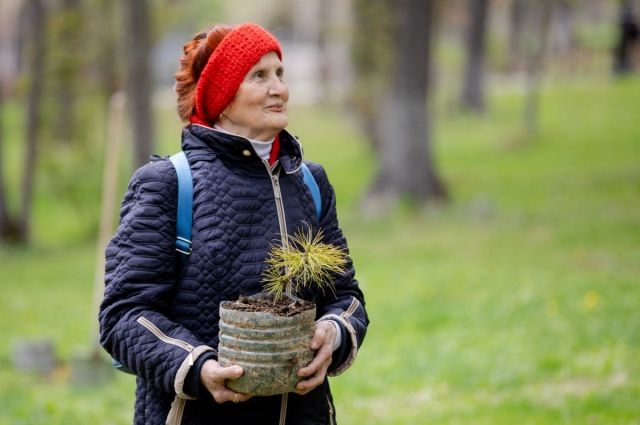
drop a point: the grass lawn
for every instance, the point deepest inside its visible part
(516, 303)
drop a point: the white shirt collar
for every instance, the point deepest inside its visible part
(262, 148)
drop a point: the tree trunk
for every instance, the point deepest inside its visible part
(139, 78)
(10, 33)
(517, 17)
(628, 35)
(538, 35)
(370, 50)
(65, 68)
(563, 42)
(4, 213)
(473, 97)
(407, 166)
(33, 120)
(106, 60)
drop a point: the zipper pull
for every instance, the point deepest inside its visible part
(276, 183)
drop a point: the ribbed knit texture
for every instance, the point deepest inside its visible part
(229, 63)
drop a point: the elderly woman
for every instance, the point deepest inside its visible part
(159, 317)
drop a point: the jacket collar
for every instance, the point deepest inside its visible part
(207, 143)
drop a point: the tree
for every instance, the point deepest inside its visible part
(371, 51)
(4, 213)
(407, 166)
(106, 58)
(628, 35)
(473, 97)
(66, 40)
(516, 25)
(536, 49)
(139, 82)
(17, 228)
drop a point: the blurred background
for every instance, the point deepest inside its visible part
(486, 160)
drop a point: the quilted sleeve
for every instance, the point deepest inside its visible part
(348, 306)
(141, 267)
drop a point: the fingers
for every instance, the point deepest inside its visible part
(240, 398)
(324, 331)
(225, 395)
(322, 341)
(316, 379)
(213, 376)
(221, 374)
(322, 356)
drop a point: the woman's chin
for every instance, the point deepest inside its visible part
(280, 122)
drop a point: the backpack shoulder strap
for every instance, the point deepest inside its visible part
(185, 199)
(183, 220)
(185, 203)
(311, 183)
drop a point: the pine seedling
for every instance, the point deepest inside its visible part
(304, 262)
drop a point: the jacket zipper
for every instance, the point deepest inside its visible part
(351, 309)
(275, 182)
(167, 339)
(282, 223)
(331, 422)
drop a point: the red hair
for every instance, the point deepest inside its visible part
(195, 57)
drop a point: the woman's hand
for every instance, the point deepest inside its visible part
(213, 377)
(323, 340)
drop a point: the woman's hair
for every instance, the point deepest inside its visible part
(195, 57)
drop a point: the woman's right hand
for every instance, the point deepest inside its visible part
(213, 377)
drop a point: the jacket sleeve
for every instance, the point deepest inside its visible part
(347, 307)
(140, 273)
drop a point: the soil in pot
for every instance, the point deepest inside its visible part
(270, 341)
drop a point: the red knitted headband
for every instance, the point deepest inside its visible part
(229, 63)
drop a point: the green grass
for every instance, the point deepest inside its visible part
(517, 302)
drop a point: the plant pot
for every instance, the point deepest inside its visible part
(270, 349)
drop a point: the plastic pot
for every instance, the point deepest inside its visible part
(271, 349)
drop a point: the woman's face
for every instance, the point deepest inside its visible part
(259, 109)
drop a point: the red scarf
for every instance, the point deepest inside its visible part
(275, 150)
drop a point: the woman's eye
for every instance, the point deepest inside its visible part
(259, 74)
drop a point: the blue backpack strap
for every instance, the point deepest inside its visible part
(185, 203)
(120, 367)
(313, 188)
(183, 220)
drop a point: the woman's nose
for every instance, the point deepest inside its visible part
(277, 87)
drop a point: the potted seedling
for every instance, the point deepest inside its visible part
(269, 334)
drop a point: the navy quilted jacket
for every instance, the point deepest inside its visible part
(160, 319)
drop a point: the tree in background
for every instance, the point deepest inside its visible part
(628, 37)
(371, 53)
(64, 43)
(395, 112)
(17, 228)
(371, 57)
(139, 82)
(516, 25)
(5, 223)
(473, 97)
(538, 20)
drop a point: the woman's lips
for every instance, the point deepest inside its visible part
(276, 108)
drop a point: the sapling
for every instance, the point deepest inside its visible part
(304, 261)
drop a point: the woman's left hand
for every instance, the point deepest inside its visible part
(323, 339)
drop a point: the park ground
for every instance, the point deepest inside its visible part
(518, 302)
